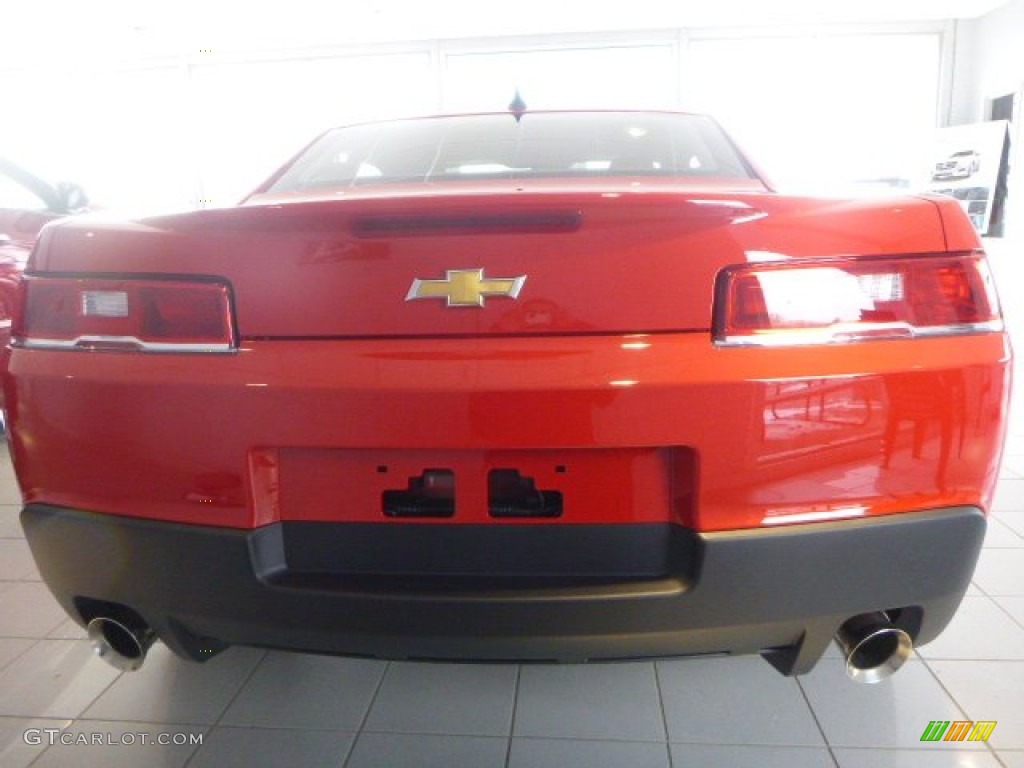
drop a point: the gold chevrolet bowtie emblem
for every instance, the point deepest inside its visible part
(465, 288)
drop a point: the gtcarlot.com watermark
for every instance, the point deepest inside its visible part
(53, 736)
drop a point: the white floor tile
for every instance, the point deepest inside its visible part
(68, 630)
(1000, 572)
(1014, 520)
(1011, 469)
(735, 756)
(292, 690)
(914, 758)
(980, 630)
(833, 651)
(230, 747)
(10, 496)
(1014, 606)
(589, 701)
(10, 528)
(1000, 536)
(392, 750)
(554, 753)
(22, 740)
(453, 699)
(12, 647)
(1009, 496)
(15, 560)
(27, 609)
(892, 713)
(171, 690)
(988, 690)
(565, 753)
(709, 701)
(54, 679)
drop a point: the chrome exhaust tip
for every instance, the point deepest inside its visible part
(874, 648)
(121, 646)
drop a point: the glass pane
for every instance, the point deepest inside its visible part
(565, 144)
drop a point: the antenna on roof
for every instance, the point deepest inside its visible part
(517, 106)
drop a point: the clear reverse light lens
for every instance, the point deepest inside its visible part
(853, 299)
(105, 303)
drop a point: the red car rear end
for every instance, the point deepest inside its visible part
(566, 387)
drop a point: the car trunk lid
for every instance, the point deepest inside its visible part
(490, 259)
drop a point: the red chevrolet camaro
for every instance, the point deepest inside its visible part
(541, 386)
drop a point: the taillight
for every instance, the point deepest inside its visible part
(144, 314)
(849, 299)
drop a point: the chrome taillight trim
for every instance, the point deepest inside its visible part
(858, 332)
(122, 343)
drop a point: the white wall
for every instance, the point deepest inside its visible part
(989, 64)
(997, 65)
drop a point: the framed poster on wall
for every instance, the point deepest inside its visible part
(966, 163)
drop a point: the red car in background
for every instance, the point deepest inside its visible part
(548, 386)
(27, 203)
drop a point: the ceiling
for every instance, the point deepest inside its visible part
(66, 32)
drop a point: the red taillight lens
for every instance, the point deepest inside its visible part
(850, 299)
(152, 315)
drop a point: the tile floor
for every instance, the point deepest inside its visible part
(256, 708)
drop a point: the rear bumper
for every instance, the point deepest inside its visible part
(510, 592)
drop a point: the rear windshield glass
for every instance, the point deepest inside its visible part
(497, 146)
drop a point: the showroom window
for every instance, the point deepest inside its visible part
(852, 107)
(122, 134)
(642, 76)
(814, 110)
(15, 196)
(262, 113)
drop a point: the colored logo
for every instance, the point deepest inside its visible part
(465, 288)
(958, 730)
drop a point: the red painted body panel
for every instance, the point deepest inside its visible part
(660, 427)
